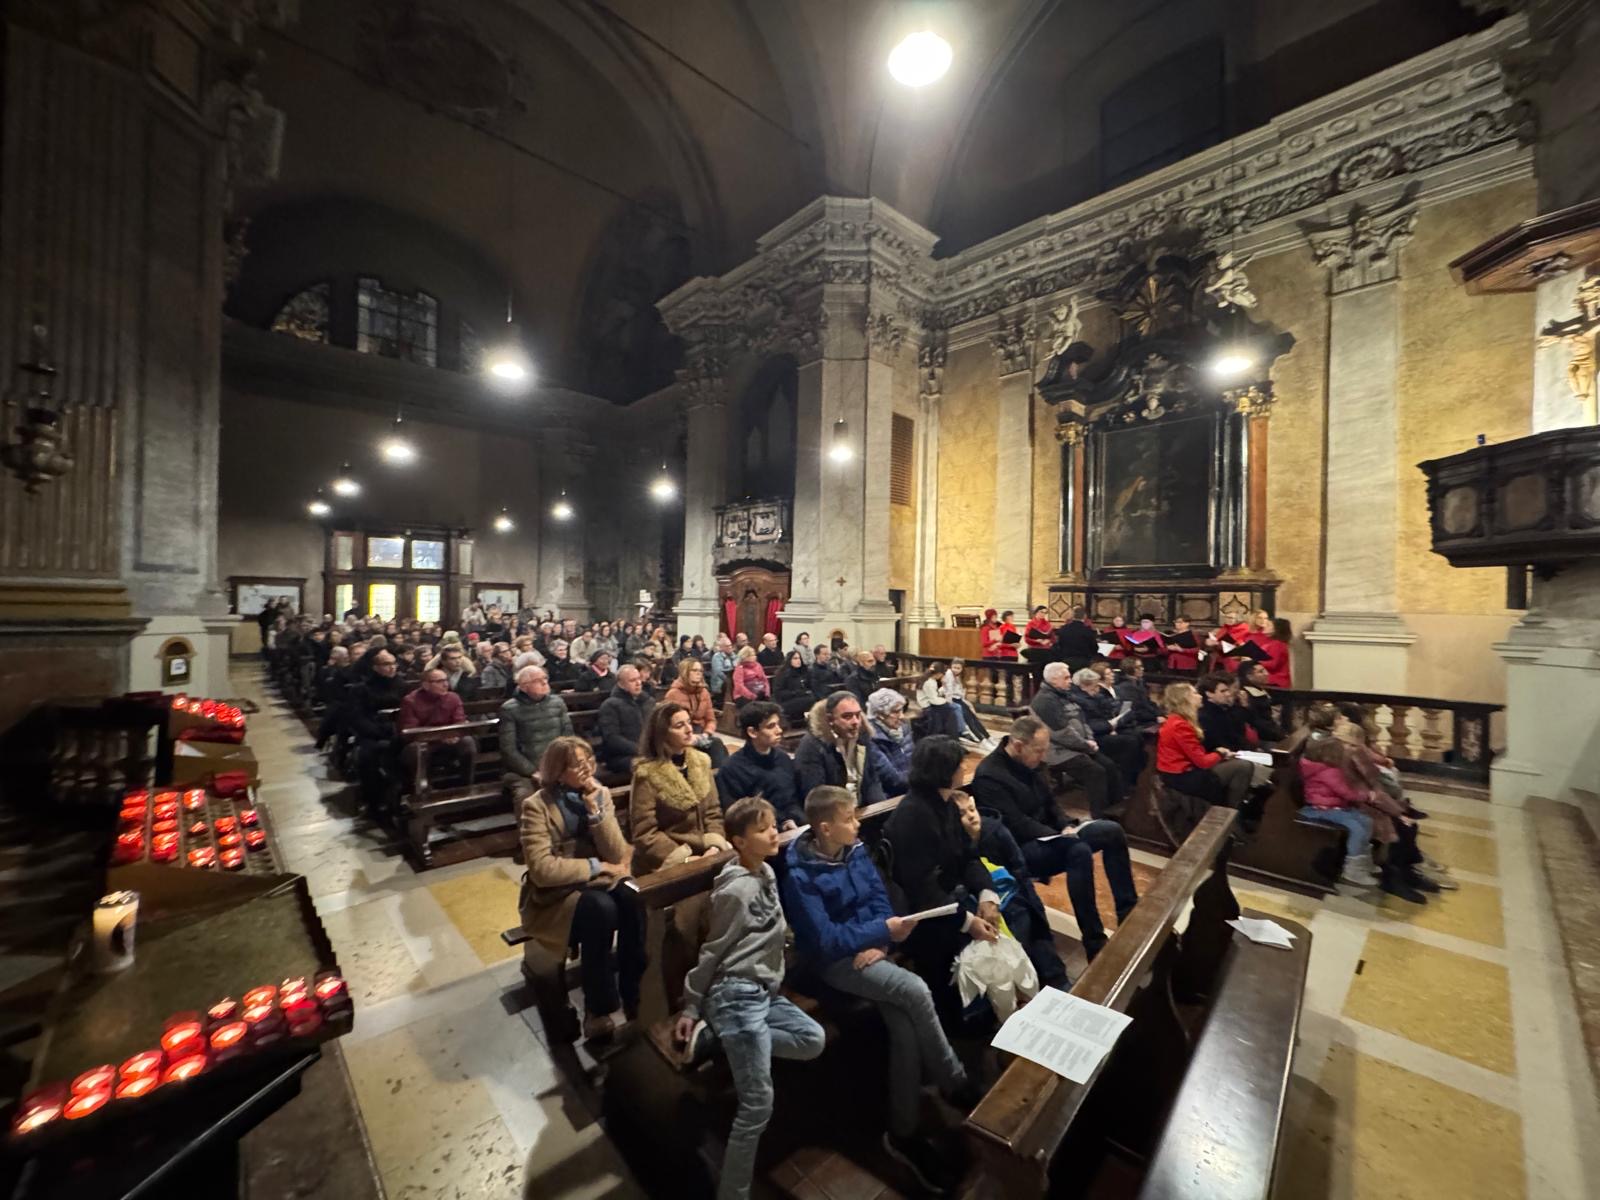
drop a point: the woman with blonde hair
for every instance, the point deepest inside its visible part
(749, 676)
(1184, 763)
(689, 690)
(574, 891)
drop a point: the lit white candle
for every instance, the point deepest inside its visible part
(114, 919)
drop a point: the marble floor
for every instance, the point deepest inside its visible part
(1441, 1053)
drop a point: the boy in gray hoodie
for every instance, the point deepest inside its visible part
(735, 984)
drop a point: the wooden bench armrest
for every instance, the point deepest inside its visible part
(441, 733)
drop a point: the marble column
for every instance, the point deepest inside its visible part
(923, 611)
(1012, 533)
(704, 489)
(1359, 642)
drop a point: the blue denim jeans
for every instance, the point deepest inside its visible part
(918, 1051)
(754, 1027)
(1074, 857)
(1357, 826)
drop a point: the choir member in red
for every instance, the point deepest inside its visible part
(1183, 647)
(989, 642)
(1218, 644)
(1039, 636)
(1272, 636)
(1117, 635)
(1010, 639)
(1146, 641)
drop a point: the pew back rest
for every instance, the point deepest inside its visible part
(1019, 1125)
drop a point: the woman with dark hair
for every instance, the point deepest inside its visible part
(791, 689)
(576, 891)
(935, 863)
(1272, 635)
(673, 805)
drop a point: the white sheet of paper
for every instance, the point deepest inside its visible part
(1255, 756)
(1264, 932)
(1055, 837)
(1106, 648)
(1228, 647)
(1062, 1033)
(944, 910)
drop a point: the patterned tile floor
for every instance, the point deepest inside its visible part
(1441, 1053)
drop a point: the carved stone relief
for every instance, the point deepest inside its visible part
(1364, 248)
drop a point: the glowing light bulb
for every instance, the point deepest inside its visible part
(1230, 363)
(561, 510)
(398, 451)
(920, 59)
(664, 489)
(508, 364)
(319, 508)
(344, 484)
(503, 523)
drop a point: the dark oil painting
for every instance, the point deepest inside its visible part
(1155, 499)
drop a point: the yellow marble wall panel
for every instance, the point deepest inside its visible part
(1046, 501)
(967, 423)
(1466, 367)
(1293, 295)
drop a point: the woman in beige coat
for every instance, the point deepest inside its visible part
(673, 806)
(579, 891)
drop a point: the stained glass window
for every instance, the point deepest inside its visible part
(381, 600)
(396, 324)
(428, 595)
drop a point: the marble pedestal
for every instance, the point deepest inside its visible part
(1360, 652)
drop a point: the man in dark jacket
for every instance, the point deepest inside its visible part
(529, 722)
(1077, 643)
(769, 655)
(1101, 710)
(1073, 749)
(834, 750)
(374, 728)
(761, 767)
(1131, 689)
(1257, 703)
(598, 675)
(622, 719)
(1008, 785)
(825, 676)
(1224, 722)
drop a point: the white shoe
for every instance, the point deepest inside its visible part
(1359, 872)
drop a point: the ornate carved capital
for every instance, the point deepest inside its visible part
(1013, 343)
(930, 370)
(1070, 433)
(701, 379)
(885, 334)
(1364, 248)
(1253, 401)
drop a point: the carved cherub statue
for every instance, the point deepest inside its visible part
(1226, 283)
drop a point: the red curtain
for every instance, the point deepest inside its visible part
(772, 625)
(730, 616)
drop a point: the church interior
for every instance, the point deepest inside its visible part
(800, 598)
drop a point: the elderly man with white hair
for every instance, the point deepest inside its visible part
(529, 721)
(1073, 749)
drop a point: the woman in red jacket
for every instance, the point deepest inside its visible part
(992, 636)
(1273, 635)
(1185, 765)
(989, 634)
(1039, 636)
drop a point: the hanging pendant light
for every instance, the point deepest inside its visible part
(318, 506)
(920, 59)
(397, 449)
(509, 368)
(503, 522)
(344, 484)
(663, 489)
(840, 451)
(561, 510)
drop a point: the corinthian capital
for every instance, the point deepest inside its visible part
(1013, 342)
(701, 379)
(930, 369)
(1365, 247)
(885, 333)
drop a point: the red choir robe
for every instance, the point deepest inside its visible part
(1183, 658)
(1234, 635)
(1039, 634)
(1144, 644)
(1277, 660)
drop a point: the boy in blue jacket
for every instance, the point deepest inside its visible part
(843, 924)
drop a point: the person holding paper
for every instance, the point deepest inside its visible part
(1143, 714)
(1103, 713)
(1189, 769)
(1252, 684)
(1117, 635)
(844, 926)
(933, 859)
(1039, 636)
(1183, 647)
(1009, 785)
(1145, 641)
(1271, 635)
(989, 635)
(1073, 749)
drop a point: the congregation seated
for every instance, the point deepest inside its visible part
(1009, 785)
(529, 721)
(562, 671)
(578, 889)
(673, 809)
(834, 749)
(1144, 715)
(621, 720)
(889, 740)
(1102, 714)
(749, 677)
(599, 676)
(882, 667)
(1250, 685)
(1195, 776)
(1073, 749)
(1225, 718)
(769, 655)
(370, 721)
(429, 705)
(970, 727)
(689, 691)
(719, 671)
(791, 687)
(802, 645)
(825, 675)
(459, 670)
(862, 676)
(762, 767)
(845, 927)
(497, 677)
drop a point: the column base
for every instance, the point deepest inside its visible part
(1552, 706)
(924, 616)
(1359, 652)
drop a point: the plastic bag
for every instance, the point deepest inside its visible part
(999, 970)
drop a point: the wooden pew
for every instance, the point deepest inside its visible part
(1190, 1101)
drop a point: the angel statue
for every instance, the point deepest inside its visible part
(1065, 326)
(1226, 284)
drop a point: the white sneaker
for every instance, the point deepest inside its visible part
(1359, 872)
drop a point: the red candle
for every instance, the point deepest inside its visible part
(194, 799)
(228, 1037)
(233, 860)
(146, 1063)
(88, 1102)
(132, 1089)
(204, 857)
(39, 1108)
(293, 984)
(164, 849)
(229, 841)
(166, 802)
(306, 1025)
(132, 815)
(198, 829)
(184, 1068)
(255, 839)
(94, 1079)
(165, 825)
(135, 796)
(132, 839)
(261, 1015)
(330, 986)
(181, 1035)
(265, 994)
(225, 824)
(299, 1008)
(249, 816)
